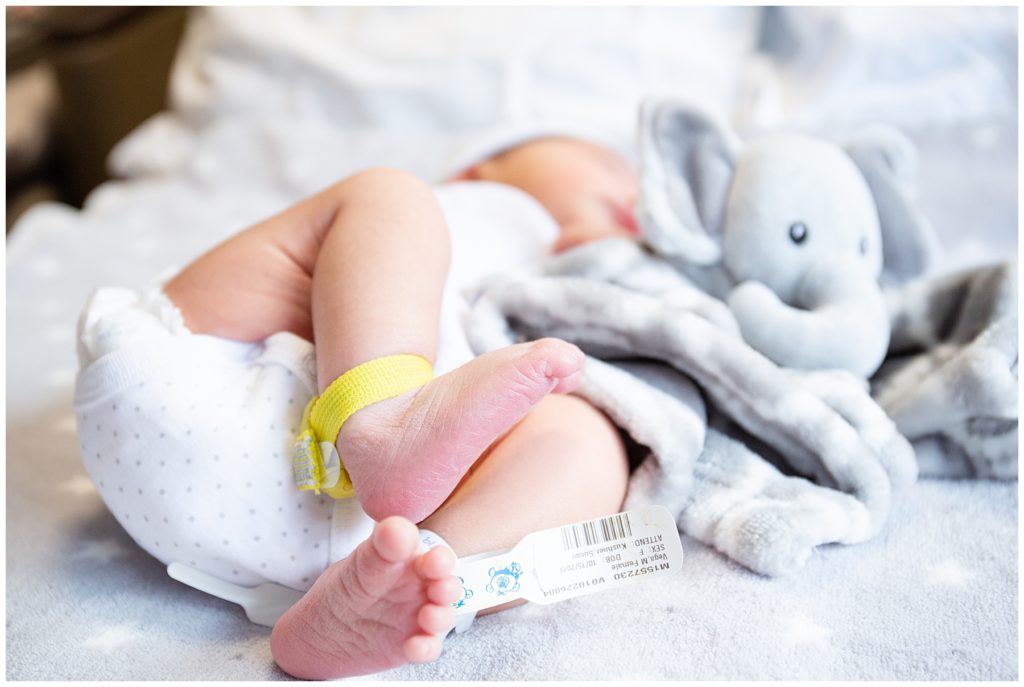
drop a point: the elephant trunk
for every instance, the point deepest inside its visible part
(838, 320)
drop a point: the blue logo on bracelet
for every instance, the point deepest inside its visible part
(504, 580)
(467, 594)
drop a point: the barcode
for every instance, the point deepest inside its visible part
(596, 531)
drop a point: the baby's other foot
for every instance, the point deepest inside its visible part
(406, 454)
(379, 608)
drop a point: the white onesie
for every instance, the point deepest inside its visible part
(188, 437)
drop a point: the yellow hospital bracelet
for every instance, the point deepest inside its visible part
(316, 464)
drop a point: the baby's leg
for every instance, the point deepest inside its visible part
(360, 268)
(362, 264)
(563, 463)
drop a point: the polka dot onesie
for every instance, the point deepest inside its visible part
(188, 440)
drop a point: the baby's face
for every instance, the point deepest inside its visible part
(589, 190)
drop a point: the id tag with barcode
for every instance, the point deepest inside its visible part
(565, 562)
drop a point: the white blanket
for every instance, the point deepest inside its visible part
(270, 105)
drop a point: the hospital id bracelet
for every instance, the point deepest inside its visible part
(565, 562)
(316, 464)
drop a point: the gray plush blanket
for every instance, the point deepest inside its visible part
(722, 475)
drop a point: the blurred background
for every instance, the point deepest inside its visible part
(78, 80)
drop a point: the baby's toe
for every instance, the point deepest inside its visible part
(422, 648)
(447, 590)
(433, 619)
(395, 539)
(435, 564)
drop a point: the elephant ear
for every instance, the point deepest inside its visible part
(888, 161)
(687, 159)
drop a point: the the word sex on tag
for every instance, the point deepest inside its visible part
(565, 562)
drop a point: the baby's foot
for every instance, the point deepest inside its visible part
(406, 454)
(381, 607)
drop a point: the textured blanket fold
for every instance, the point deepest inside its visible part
(666, 364)
(950, 383)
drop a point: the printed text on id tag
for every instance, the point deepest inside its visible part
(565, 562)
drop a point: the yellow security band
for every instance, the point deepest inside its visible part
(316, 464)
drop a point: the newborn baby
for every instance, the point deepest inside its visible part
(219, 440)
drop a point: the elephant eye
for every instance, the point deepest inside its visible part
(798, 232)
(863, 246)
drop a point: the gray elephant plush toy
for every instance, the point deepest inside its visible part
(797, 234)
(733, 345)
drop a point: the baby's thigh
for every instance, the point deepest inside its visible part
(573, 444)
(253, 285)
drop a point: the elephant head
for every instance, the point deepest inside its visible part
(801, 231)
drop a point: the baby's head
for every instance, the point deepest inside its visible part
(590, 190)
